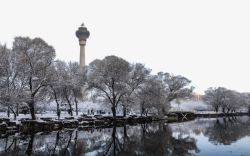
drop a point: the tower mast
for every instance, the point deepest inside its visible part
(82, 34)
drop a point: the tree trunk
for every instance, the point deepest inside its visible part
(114, 141)
(57, 140)
(142, 109)
(15, 145)
(12, 110)
(30, 145)
(70, 107)
(58, 111)
(216, 109)
(75, 144)
(8, 112)
(143, 130)
(76, 102)
(70, 136)
(124, 111)
(114, 113)
(223, 110)
(32, 108)
(17, 110)
(6, 143)
(163, 111)
(76, 135)
(70, 110)
(125, 136)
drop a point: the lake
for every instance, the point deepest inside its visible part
(201, 137)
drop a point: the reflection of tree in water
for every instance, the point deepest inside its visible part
(148, 140)
(10, 145)
(161, 142)
(112, 146)
(228, 130)
(141, 140)
(60, 143)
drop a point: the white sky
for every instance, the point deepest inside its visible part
(206, 41)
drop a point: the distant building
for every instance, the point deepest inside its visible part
(197, 97)
(82, 34)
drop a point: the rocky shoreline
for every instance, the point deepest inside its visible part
(221, 115)
(50, 124)
(97, 121)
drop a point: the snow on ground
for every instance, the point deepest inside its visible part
(49, 111)
(190, 105)
(88, 106)
(82, 106)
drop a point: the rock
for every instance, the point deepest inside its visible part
(69, 118)
(12, 128)
(36, 125)
(46, 119)
(11, 123)
(99, 122)
(3, 127)
(70, 123)
(98, 117)
(84, 123)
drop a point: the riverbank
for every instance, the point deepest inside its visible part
(96, 121)
(148, 139)
(217, 115)
(50, 124)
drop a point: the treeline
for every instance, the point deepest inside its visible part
(30, 75)
(226, 100)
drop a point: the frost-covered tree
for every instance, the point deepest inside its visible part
(245, 99)
(116, 81)
(232, 101)
(215, 97)
(78, 82)
(6, 77)
(108, 78)
(11, 81)
(68, 85)
(34, 58)
(137, 77)
(176, 87)
(224, 99)
(152, 95)
(55, 85)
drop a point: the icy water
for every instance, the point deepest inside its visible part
(204, 137)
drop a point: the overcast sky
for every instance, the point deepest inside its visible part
(206, 41)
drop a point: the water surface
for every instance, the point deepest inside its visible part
(204, 137)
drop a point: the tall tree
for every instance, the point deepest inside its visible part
(68, 85)
(138, 76)
(108, 79)
(224, 99)
(11, 83)
(215, 97)
(176, 87)
(55, 85)
(245, 99)
(232, 101)
(78, 81)
(152, 95)
(34, 57)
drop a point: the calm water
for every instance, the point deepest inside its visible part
(205, 137)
